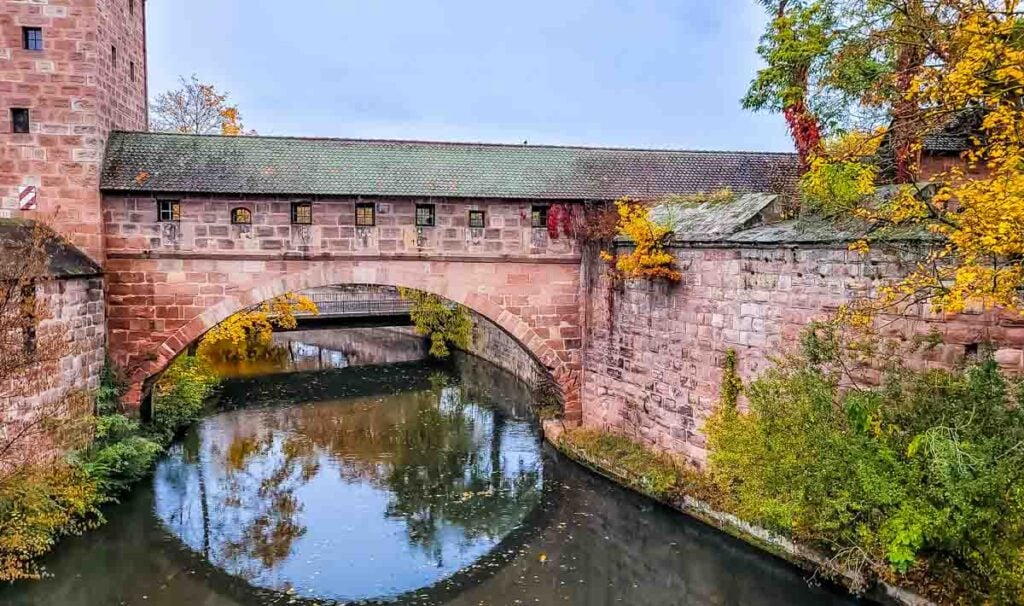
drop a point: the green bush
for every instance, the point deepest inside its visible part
(117, 466)
(180, 396)
(918, 479)
(41, 505)
(445, 323)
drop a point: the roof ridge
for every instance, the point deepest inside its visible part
(426, 142)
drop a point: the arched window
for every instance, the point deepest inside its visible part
(241, 216)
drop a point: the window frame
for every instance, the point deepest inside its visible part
(27, 39)
(173, 214)
(370, 206)
(432, 210)
(236, 214)
(539, 216)
(478, 213)
(296, 206)
(16, 122)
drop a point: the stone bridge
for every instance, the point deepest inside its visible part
(199, 228)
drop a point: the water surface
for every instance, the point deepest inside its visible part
(404, 483)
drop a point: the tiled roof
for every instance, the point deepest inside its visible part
(157, 162)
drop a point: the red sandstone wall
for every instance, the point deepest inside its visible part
(131, 226)
(652, 367)
(75, 97)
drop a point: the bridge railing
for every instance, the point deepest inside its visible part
(340, 304)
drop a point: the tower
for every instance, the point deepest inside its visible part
(71, 71)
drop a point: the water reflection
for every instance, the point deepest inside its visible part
(303, 350)
(355, 497)
(418, 484)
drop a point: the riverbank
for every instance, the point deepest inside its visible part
(666, 483)
(43, 503)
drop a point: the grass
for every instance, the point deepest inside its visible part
(652, 473)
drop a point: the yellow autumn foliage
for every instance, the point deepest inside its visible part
(977, 213)
(252, 329)
(649, 258)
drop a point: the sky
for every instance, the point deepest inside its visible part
(638, 73)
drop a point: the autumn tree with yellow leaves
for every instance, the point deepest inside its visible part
(878, 76)
(249, 332)
(648, 258)
(196, 108)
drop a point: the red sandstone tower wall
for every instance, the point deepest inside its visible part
(88, 79)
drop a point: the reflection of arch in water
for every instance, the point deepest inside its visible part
(533, 520)
(503, 552)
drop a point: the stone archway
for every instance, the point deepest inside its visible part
(534, 303)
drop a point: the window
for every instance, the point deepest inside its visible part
(302, 213)
(241, 216)
(424, 215)
(366, 214)
(131, 8)
(20, 122)
(131, 71)
(28, 310)
(32, 38)
(539, 217)
(476, 218)
(113, 56)
(168, 210)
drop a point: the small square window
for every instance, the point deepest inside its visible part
(476, 218)
(539, 216)
(366, 214)
(424, 215)
(20, 122)
(241, 216)
(32, 38)
(168, 210)
(302, 213)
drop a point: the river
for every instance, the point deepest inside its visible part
(350, 470)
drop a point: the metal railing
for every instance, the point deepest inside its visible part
(340, 304)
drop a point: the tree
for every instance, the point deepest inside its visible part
(38, 419)
(196, 108)
(889, 73)
(444, 322)
(246, 334)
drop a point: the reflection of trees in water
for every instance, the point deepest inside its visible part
(438, 457)
(250, 516)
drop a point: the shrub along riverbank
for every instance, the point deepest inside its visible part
(918, 482)
(40, 505)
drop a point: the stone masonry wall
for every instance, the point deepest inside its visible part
(653, 365)
(496, 346)
(76, 317)
(205, 227)
(76, 94)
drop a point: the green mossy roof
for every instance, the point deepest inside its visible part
(157, 162)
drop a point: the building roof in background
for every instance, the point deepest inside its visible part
(64, 260)
(157, 162)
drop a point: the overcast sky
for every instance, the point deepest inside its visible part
(637, 73)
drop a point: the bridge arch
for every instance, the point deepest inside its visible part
(528, 301)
